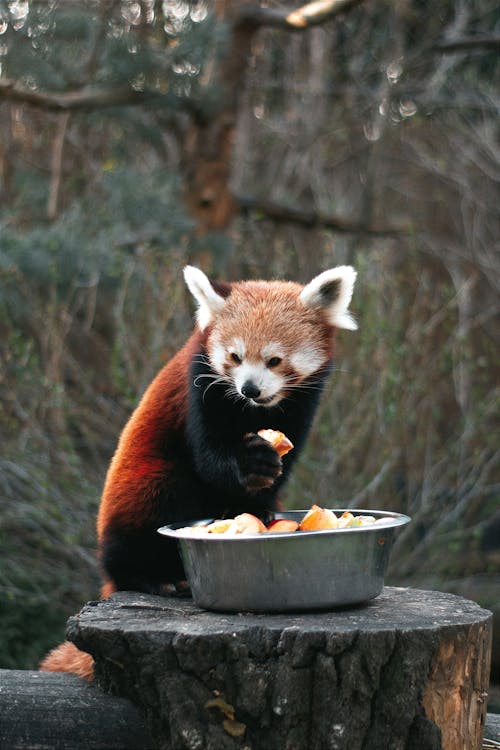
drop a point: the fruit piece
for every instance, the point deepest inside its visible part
(280, 525)
(220, 526)
(193, 530)
(317, 519)
(345, 519)
(246, 523)
(361, 521)
(278, 440)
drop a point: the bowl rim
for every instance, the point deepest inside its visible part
(393, 520)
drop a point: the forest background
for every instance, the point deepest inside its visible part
(255, 142)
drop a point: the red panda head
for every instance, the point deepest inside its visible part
(267, 337)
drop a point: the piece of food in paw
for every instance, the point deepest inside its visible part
(259, 463)
(246, 523)
(318, 519)
(278, 440)
(281, 525)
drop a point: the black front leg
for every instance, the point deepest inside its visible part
(140, 559)
(239, 467)
(226, 452)
(259, 464)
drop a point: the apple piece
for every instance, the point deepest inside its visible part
(280, 525)
(345, 519)
(193, 530)
(278, 440)
(220, 526)
(361, 521)
(246, 523)
(317, 519)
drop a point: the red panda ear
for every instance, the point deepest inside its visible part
(208, 299)
(332, 292)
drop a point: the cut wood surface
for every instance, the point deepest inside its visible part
(409, 670)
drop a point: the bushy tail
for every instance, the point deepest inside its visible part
(68, 658)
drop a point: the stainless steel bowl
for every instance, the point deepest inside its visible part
(288, 571)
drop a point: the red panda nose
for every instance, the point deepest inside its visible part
(250, 390)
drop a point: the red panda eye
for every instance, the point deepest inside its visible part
(274, 361)
(236, 358)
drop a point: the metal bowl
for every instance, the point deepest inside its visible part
(285, 572)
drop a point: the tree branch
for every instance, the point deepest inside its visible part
(466, 43)
(313, 219)
(248, 17)
(310, 14)
(93, 98)
(57, 165)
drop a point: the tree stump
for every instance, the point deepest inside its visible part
(407, 671)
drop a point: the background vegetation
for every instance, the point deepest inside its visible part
(138, 136)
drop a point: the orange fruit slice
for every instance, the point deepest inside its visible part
(278, 440)
(317, 519)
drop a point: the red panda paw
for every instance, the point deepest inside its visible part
(179, 588)
(259, 463)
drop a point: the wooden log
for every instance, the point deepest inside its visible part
(49, 711)
(492, 728)
(24, 694)
(407, 671)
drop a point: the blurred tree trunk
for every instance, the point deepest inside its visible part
(209, 145)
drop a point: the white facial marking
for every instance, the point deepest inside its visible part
(268, 382)
(272, 350)
(238, 347)
(218, 356)
(306, 360)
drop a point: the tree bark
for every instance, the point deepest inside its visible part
(408, 671)
(56, 166)
(49, 711)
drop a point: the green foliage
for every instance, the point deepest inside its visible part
(46, 534)
(29, 630)
(58, 45)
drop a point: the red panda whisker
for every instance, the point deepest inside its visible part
(216, 379)
(303, 386)
(235, 395)
(209, 375)
(201, 359)
(311, 385)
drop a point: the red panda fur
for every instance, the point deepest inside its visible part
(130, 483)
(191, 450)
(128, 486)
(68, 658)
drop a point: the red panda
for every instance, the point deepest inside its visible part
(258, 358)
